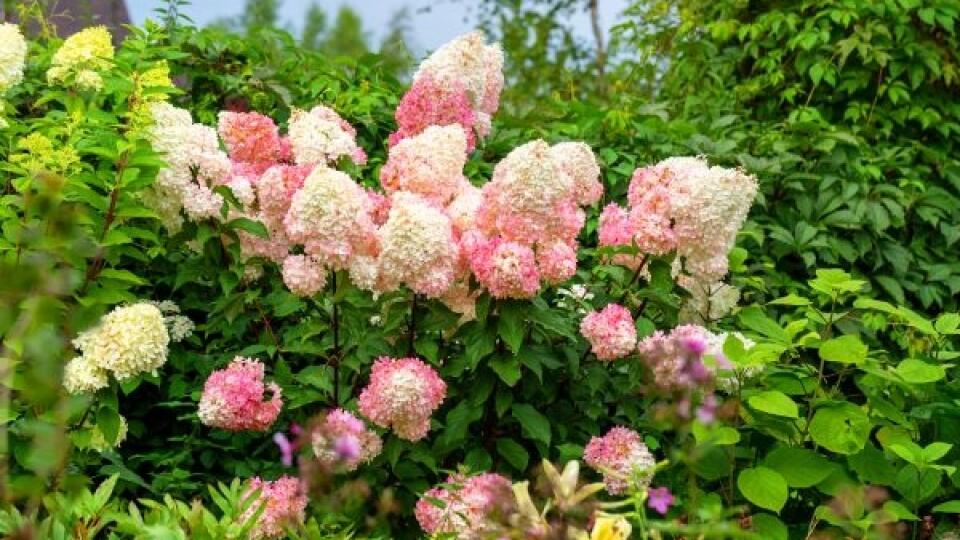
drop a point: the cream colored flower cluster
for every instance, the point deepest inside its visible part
(429, 164)
(13, 52)
(195, 165)
(128, 341)
(80, 58)
(320, 135)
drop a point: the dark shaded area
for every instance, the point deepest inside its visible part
(70, 16)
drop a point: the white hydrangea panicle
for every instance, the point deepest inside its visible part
(429, 164)
(82, 376)
(417, 247)
(128, 341)
(321, 136)
(13, 53)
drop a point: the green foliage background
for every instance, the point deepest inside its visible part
(846, 111)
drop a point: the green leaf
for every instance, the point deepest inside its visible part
(508, 369)
(801, 468)
(754, 319)
(763, 487)
(917, 371)
(774, 402)
(842, 428)
(790, 300)
(108, 422)
(478, 459)
(769, 527)
(510, 325)
(844, 349)
(253, 227)
(515, 454)
(535, 425)
(949, 507)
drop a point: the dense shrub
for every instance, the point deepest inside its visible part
(162, 307)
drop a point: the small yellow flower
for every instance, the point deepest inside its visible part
(611, 528)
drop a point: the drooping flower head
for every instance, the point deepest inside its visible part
(622, 458)
(611, 332)
(320, 136)
(13, 52)
(341, 439)
(234, 398)
(402, 394)
(81, 56)
(284, 503)
(417, 247)
(465, 505)
(128, 341)
(429, 164)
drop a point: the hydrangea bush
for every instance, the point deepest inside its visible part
(357, 309)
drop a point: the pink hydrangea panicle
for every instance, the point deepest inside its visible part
(467, 505)
(330, 216)
(430, 103)
(622, 458)
(429, 164)
(402, 395)
(234, 398)
(506, 269)
(284, 503)
(557, 262)
(673, 357)
(611, 332)
(303, 275)
(251, 138)
(341, 440)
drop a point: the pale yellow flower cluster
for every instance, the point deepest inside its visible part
(126, 342)
(80, 58)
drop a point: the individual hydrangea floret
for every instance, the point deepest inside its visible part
(402, 395)
(622, 458)
(341, 440)
(234, 398)
(465, 506)
(128, 341)
(284, 503)
(81, 57)
(611, 332)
